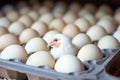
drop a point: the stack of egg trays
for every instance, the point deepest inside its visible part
(95, 70)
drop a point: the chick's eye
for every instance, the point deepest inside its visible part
(55, 39)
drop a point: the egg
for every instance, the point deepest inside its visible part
(108, 42)
(90, 52)
(100, 14)
(108, 25)
(28, 34)
(26, 20)
(40, 27)
(96, 32)
(3, 31)
(16, 28)
(116, 34)
(46, 18)
(8, 39)
(49, 35)
(81, 39)
(69, 17)
(118, 28)
(8, 7)
(117, 16)
(34, 15)
(57, 24)
(13, 52)
(13, 15)
(71, 64)
(41, 58)
(36, 44)
(82, 24)
(4, 22)
(48, 3)
(71, 30)
(83, 12)
(43, 10)
(23, 10)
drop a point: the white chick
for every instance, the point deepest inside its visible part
(62, 45)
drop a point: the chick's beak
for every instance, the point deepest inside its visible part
(53, 44)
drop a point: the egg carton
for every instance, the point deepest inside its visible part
(94, 69)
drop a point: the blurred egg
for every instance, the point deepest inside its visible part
(75, 6)
(100, 14)
(34, 15)
(26, 20)
(83, 12)
(71, 30)
(3, 30)
(40, 27)
(108, 42)
(81, 39)
(57, 24)
(16, 28)
(89, 52)
(27, 34)
(43, 10)
(36, 44)
(96, 32)
(116, 34)
(46, 18)
(24, 10)
(49, 35)
(4, 22)
(13, 52)
(8, 7)
(71, 64)
(41, 58)
(117, 16)
(8, 39)
(82, 24)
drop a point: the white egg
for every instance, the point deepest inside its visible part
(34, 15)
(81, 39)
(90, 52)
(96, 32)
(41, 58)
(116, 34)
(13, 52)
(68, 64)
(36, 44)
(108, 42)
(4, 22)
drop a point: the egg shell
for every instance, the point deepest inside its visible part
(43, 10)
(3, 31)
(96, 32)
(40, 27)
(116, 34)
(117, 17)
(100, 14)
(4, 22)
(13, 52)
(108, 42)
(71, 64)
(8, 39)
(57, 24)
(41, 58)
(24, 10)
(82, 24)
(27, 34)
(75, 6)
(34, 15)
(71, 30)
(36, 44)
(49, 35)
(90, 52)
(16, 28)
(82, 12)
(81, 39)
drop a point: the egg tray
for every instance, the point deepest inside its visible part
(94, 69)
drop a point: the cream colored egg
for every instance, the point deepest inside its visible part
(81, 39)
(116, 34)
(90, 52)
(75, 6)
(100, 14)
(26, 20)
(57, 24)
(8, 39)
(4, 22)
(24, 10)
(12, 15)
(13, 52)
(82, 24)
(108, 42)
(36, 44)
(16, 28)
(69, 17)
(34, 15)
(3, 31)
(49, 35)
(83, 12)
(96, 32)
(108, 25)
(43, 10)
(41, 58)
(68, 64)
(40, 27)
(71, 30)
(27, 34)
(46, 18)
